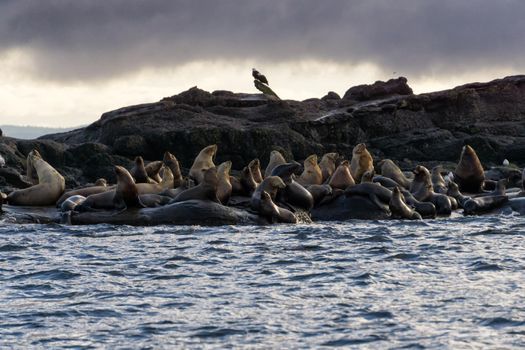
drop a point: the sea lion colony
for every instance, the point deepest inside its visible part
(330, 189)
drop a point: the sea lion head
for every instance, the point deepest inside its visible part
(276, 182)
(101, 182)
(332, 156)
(310, 161)
(368, 176)
(285, 171)
(139, 161)
(123, 175)
(210, 150)
(223, 170)
(167, 176)
(359, 148)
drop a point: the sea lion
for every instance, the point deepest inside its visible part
(205, 190)
(293, 194)
(247, 182)
(342, 177)
(139, 172)
(84, 192)
(153, 169)
(438, 182)
(385, 181)
(368, 176)
(453, 191)
(50, 185)
(276, 158)
(224, 187)
(30, 169)
(426, 209)
(391, 170)
(481, 205)
(327, 165)
(273, 212)
(399, 208)
(255, 168)
(499, 190)
(271, 186)
(172, 163)
(155, 188)
(124, 195)
(312, 174)
(71, 202)
(101, 182)
(174, 192)
(469, 174)
(421, 188)
(203, 162)
(319, 192)
(378, 194)
(361, 162)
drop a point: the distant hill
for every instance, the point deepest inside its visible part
(30, 132)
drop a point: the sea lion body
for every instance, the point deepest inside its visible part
(399, 208)
(319, 192)
(361, 162)
(342, 177)
(481, 205)
(255, 168)
(50, 187)
(469, 174)
(224, 187)
(202, 163)
(385, 182)
(139, 172)
(294, 193)
(426, 209)
(153, 169)
(151, 200)
(247, 181)
(438, 182)
(391, 170)
(156, 188)
(273, 212)
(377, 194)
(312, 174)
(271, 186)
(205, 190)
(170, 161)
(276, 158)
(328, 165)
(84, 192)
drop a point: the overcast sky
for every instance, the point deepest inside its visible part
(63, 63)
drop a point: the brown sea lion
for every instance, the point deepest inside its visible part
(151, 200)
(438, 182)
(368, 176)
(30, 169)
(499, 190)
(454, 192)
(378, 194)
(421, 188)
(101, 182)
(224, 187)
(399, 208)
(237, 188)
(342, 177)
(426, 209)
(205, 190)
(276, 158)
(391, 170)
(270, 185)
(361, 162)
(327, 165)
(171, 162)
(247, 181)
(312, 174)
(469, 174)
(481, 205)
(139, 172)
(203, 162)
(155, 188)
(50, 185)
(294, 195)
(125, 195)
(153, 169)
(255, 167)
(273, 212)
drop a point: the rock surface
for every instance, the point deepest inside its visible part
(393, 122)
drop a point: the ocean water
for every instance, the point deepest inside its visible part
(446, 283)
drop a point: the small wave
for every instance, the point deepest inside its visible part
(372, 315)
(54, 274)
(213, 332)
(309, 276)
(403, 256)
(501, 322)
(355, 341)
(12, 248)
(484, 266)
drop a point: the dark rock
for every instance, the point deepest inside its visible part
(379, 89)
(331, 95)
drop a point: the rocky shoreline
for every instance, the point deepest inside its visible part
(394, 123)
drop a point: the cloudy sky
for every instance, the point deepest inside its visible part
(64, 62)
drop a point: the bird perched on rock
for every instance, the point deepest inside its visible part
(506, 162)
(2, 161)
(258, 76)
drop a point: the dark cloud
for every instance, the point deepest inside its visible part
(82, 39)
